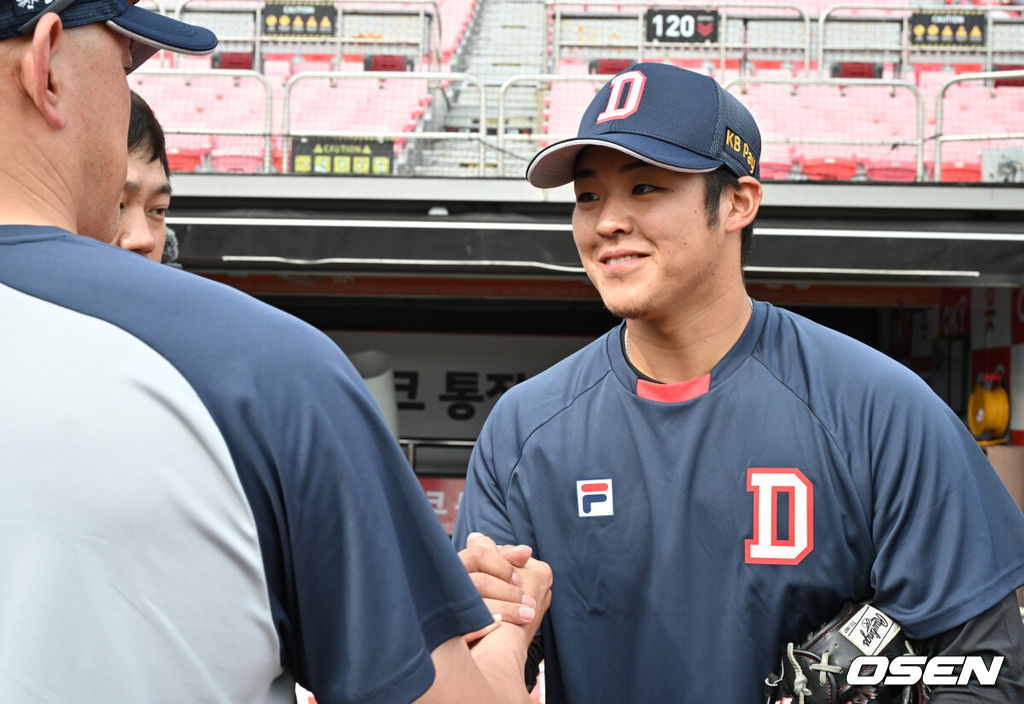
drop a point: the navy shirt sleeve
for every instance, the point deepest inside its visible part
(364, 582)
(483, 508)
(949, 540)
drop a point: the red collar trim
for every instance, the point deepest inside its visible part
(673, 393)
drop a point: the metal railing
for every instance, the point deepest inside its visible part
(140, 76)
(439, 81)
(918, 141)
(427, 44)
(906, 48)
(724, 48)
(942, 138)
(506, 139)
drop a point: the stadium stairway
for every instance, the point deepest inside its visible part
(505, 38)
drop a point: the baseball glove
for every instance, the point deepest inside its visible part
(815, 671)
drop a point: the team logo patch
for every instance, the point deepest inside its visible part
(23, 7)
(594, 497)
(870, 630)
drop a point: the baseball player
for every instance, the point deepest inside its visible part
(715, 477)
(201, 501)
(142, 226)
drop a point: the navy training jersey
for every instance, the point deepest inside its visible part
(200, 498)
(693, 529)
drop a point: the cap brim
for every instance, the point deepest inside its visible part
(553, 166)
(152, 31)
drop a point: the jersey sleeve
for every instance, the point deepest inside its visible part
(484, 507)
(949, 539)
(369, 583)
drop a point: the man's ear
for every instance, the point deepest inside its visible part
(37, 71)
(743, 203)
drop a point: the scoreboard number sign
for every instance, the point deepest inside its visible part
(682, 26)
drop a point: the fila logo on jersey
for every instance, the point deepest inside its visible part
(632, 82)
(594, 497)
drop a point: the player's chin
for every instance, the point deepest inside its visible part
(629, 309)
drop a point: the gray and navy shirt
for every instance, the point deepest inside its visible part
(693, 529)
(199, 499)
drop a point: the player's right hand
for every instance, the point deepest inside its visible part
(510, 581)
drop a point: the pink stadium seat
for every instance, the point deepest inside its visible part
(776, 162)
(278, 65)
(314, 62)
(232, 162)
(571, 66)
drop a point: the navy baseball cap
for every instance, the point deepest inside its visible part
(664, 115)
(149, 31)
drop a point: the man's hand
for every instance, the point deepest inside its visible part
(515, 587)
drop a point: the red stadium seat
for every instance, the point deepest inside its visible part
(856, 69)
(890, 170)
(1005, 82)
(387, 62)
(609, 66)
(829, 168)
(184, 158)
(233, 60)
(953, 171)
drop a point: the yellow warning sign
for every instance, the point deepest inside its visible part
(342, 156)
(312, 18)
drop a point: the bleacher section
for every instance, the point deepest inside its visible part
(836, 89)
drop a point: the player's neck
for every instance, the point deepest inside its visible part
(690, 344)
(27, 200)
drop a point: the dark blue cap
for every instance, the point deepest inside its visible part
(664, 115)
(149, 31)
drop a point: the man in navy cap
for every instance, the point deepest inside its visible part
(714, 477)
(200, 500)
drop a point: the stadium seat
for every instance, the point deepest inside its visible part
(829, 168)
(278, 64)
(233, 60)
(856, 69)
(184, 158)
(314, 62)
(387, 62)
(609, 66)
(776, 162)
(961, 171)
(1008, 82)
(890, 170)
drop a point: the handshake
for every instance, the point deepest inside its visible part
(515, 586)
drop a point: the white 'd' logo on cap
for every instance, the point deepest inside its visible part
(633, 82)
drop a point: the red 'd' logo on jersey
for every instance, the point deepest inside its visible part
(768, 546)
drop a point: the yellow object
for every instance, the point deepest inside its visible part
(988, 414)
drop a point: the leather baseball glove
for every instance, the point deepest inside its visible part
(815, 671)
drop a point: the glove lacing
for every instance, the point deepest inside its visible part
(800, 679)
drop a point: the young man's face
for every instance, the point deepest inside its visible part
(144, 202)
(643, 237)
